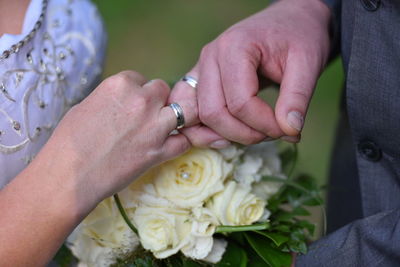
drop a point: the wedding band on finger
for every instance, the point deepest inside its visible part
(180, 118)
(191, 81)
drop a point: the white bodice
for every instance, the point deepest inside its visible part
(51, 72)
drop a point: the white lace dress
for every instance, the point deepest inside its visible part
(50, 66)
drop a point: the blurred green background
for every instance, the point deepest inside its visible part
(163, 38)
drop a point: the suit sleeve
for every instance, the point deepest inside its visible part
(371, 241)
(335, 25)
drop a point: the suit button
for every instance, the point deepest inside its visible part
(369, 150)
(371, 5)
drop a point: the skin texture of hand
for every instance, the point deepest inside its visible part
(287, 43)
(100, 146)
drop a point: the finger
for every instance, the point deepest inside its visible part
(185, 95)
(212, 106)
(168, 120)
(158, 90)
(297, 87)
(241, 85)
(202, 136)
(174, 146)
(199, 135)
(132, 76)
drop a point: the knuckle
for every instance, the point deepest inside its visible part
(141, 102)
(302, 96)
(206, 50)
(131, 75)
(160, 85)
(210, 115)
(121, 79)
(230, 38)
(236, 107)
(126, 78)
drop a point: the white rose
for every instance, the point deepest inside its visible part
(162, 230)
(102, 237)
(260, 160)
(231, 153)
(201, 241)
(217, 251)
(247, 172)
(235, 205)
(192, 178)
(270, 156)
(266, 189)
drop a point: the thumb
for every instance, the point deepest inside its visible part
(297, 86)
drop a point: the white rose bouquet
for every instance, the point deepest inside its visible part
(230, 207)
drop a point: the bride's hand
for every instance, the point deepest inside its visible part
(99, 147)
(115, 134)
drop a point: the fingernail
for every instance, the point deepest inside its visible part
(295, 120)
(220, 144)
(290, 139)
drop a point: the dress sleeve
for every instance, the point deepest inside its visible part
(372, 241)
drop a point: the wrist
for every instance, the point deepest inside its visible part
(38, 198)
(58, 176)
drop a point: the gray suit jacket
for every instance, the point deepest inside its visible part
(364, 196)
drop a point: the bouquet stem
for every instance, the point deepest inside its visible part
(241, 228)
(123, 214)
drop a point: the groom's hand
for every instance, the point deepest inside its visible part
(287, 43)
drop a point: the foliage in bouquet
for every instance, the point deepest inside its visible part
(232, 207)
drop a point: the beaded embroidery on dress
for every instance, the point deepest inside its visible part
(52, 65)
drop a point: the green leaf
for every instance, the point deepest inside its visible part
(313, 201)
(307, 182)
(297, 234)
(300, 211)
(282, 228)
(278, 239)
(298, 247)
(143, 262)
(188, 263)
(64, 257)
(173, 261)
(255, 260)
(234, 256)
(283, 216)
(237, 238)
(140, 258)
(307, 225)
(272, 256)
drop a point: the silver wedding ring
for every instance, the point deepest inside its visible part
(190, 80)
(180, 119)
